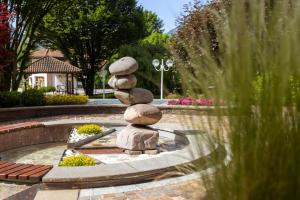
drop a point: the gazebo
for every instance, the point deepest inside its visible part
(49, 71)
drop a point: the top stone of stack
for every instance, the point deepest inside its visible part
(124, 66)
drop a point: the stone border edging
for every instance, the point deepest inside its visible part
(128, 172)
(19, 113)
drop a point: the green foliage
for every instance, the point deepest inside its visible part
(10, 99)
(254, 38)
(100, 96)
(90, 129)
(66, 100)
(152, 22)
(47, 89)
(90, 32)
(33, 97)
(293, 94)
(77, 160)
(258, 86)
(27, 16)
(155, 46)
(173, 96)
(158, 39)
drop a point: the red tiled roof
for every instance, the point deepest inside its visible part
(50, 65)
(47, 52)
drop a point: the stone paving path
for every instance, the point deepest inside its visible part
(44, 154)
(180, 188)
(8, 189)
(189, 190)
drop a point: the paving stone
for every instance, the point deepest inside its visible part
(57, 194)
(151, 152)
(130, 152)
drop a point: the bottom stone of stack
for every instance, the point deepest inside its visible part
(137, 138)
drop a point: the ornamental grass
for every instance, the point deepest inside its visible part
(241, 42)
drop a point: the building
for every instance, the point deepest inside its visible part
(50, 68)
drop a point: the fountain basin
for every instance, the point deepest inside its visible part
(116, 171)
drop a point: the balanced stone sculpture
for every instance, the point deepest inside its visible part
(137, 137)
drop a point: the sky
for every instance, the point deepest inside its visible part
(167, 10)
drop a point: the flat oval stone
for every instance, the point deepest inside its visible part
(123, 82)
(134, 96)
(142, 114)
(124, 66)
(137, 138)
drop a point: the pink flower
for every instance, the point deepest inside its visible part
(197, 102)
(186, 101)
(173, 102)
(204, 102)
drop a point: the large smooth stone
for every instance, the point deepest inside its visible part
(134, 96)
(124, 66)
(123, 82)
(137, 138)
(142, 114)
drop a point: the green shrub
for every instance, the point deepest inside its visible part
(77, 160)
(100, 96)
(66, 100)
(9, 99)
(90, 129)
(173, 96)
(33, 97)
(48, 89)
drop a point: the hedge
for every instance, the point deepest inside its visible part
(33, 97)
(10, 99)
(66, 100)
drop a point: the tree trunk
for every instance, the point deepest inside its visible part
(89, 83)
(16, 82)
(5, 80)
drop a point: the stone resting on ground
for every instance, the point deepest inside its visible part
(137, 137)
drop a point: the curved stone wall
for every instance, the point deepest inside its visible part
(32, 136)
(10, 114)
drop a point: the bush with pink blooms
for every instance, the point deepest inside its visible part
(194, 102)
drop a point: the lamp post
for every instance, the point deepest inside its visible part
(103, 74)
(84, 79)
(162, 66)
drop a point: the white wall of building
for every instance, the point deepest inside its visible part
(38, 80)
(56, 80)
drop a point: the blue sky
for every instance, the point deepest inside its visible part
(167, 10)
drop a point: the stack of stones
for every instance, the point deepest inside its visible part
(137, 137)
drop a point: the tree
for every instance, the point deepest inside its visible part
(152, 22)
(5, 32)
(154, 46)
(157, 38)
(28, 14)
(90, 32)
(197, 25)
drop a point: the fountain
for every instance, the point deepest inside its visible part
(137, 137)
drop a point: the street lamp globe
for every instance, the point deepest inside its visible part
(155, 63)
(169, 63)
